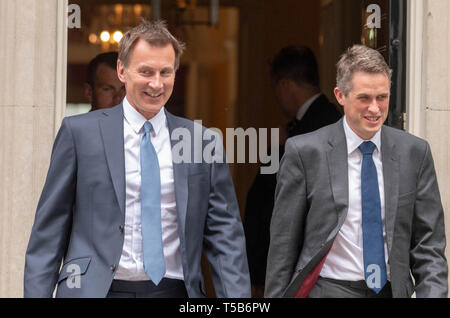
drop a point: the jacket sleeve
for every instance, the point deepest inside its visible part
(428, 262)
(50, 232)
(224, 240)
(286, 228)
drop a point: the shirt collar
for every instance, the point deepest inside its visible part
(137, 121)
(304, 108)
(354, 141)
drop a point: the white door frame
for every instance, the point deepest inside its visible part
(61, 63)
(415, 119)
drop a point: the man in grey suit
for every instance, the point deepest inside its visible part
(357, 210)
(124, 215)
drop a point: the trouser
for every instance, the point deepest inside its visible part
(333, 288)
(167, 288)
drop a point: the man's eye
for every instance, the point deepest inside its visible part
(145, 72)
(166, 73)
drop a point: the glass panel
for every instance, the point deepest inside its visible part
(206, 83)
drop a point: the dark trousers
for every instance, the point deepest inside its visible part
(167, 288)
(333, 288)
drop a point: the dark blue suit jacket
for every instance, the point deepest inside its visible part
(81, 214)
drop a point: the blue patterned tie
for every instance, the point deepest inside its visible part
(373, 242)
(152, 245)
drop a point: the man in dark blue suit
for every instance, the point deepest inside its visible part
(126, 217)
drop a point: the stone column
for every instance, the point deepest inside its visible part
(429, 87)
(33, 54)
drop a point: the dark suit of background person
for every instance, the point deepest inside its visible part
(83, 210)
(103, 89)
(311, 217)
(294, 73)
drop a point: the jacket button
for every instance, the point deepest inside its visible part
(113, 267)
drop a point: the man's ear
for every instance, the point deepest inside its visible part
(88, 92)
(121, 71)
(339, 95)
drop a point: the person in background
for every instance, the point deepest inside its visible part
(103, 89)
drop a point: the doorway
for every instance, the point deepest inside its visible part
(224, 79)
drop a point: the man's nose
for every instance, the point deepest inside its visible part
(374, 107)
(155, 82)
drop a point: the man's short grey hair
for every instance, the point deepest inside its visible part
(156, 34)
(359, 58)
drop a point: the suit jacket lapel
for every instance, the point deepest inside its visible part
(111, 129)
(338, 167)
(391, 183)
(180, 175)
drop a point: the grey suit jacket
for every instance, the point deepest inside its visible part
(81, 214)
(311, 206)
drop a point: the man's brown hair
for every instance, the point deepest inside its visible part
(156, 34)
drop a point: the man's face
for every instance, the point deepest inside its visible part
(149, 77)
(108, 91)
(366, 106)
(284, 92)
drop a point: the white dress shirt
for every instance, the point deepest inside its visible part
(304, 108)
(131, 265)
(345, 260)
